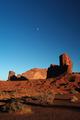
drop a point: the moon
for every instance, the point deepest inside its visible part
(37, 29)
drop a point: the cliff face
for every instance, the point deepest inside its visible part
(65, 60)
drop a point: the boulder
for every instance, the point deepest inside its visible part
(20, 77)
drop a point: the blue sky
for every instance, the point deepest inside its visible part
(33, 33)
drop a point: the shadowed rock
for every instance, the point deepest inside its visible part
(55, 70)
(20, 77)
(64, 67)
(11, 75)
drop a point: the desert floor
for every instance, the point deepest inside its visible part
(45, 113)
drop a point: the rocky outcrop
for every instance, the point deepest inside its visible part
(56, 70)
(35, 73)
(20, 77)
(64, 67)
(53, 71)
(66, 61)
(38, 73)
(12, 76)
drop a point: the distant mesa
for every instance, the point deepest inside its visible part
(65, 66)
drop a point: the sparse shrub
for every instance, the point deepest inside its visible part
(73, 91)
(72, 79)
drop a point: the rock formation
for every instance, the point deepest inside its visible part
(64, 67)
(56, 70)
(38, 73)
(12, 76)
(20, 77)
(53, 71)
(60, 89)
(35, 73)
(66, 61)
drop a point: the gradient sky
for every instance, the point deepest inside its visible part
(33, 33)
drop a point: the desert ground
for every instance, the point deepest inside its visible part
(45, 113)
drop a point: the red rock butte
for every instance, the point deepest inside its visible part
(39, 73)
(65, 60)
